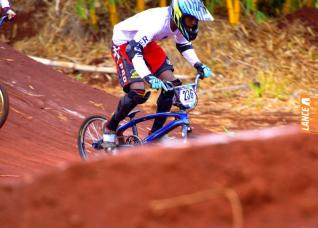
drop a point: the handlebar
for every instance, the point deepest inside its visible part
(3, 19)
(171, 87)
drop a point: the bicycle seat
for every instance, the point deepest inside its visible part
(133, 113)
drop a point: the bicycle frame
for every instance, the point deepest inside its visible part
(181, 119)
(185, 99)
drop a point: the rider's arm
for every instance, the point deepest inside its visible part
(135, 51)
(4, 3)
(186, 49)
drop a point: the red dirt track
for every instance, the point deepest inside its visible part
(46, 110)
(254, 179)
(260, 183)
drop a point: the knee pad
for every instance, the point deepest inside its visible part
(138, 96)
(126, 104)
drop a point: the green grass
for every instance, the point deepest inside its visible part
(269, 85)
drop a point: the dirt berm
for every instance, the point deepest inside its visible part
(253, 179)
(46, 110)
(258, 183)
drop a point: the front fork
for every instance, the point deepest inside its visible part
(186, 129)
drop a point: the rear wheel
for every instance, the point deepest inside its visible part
(90, 137)
(4, 105)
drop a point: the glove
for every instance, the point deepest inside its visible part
(203, 70)
(155, 83)
(7, 11)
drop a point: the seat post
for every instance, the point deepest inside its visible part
(132, 115)
(135, 130)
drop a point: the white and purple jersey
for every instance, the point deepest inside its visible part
(4, 3)
(147, 26)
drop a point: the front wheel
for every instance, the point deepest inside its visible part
(90, 137)
(4, 105)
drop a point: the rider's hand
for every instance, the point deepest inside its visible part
(7, 11)
(155, 83)
(203, 70)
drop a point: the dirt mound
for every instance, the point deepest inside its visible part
(29, 20)
(252, 183)
(46, 110)
(259, 183)
(307, 15)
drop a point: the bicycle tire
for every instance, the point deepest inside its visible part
(84, 144)
(4, 105)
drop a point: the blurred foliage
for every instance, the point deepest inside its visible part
(260, 16)
(213, 4)
(92, 12)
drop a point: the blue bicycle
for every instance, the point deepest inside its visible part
(90, 138)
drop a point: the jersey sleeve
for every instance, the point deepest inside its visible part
(4, 3)
(142, 37)
(186, 49)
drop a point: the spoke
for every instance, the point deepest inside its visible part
(90, 134)
(86, 148)
(95, 130)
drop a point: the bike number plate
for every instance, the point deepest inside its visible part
(187, 96)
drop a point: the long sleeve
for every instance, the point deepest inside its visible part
(191, 56)
(142, 37)
(186, 49)
(4, 3)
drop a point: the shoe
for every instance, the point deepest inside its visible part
(109, 139)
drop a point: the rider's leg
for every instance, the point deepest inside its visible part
(132, 85)
(164, 102)
(127, 103)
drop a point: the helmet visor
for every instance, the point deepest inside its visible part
(196, 9)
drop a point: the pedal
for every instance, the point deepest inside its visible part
(98, 145)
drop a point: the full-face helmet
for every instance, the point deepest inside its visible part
(180, 9)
